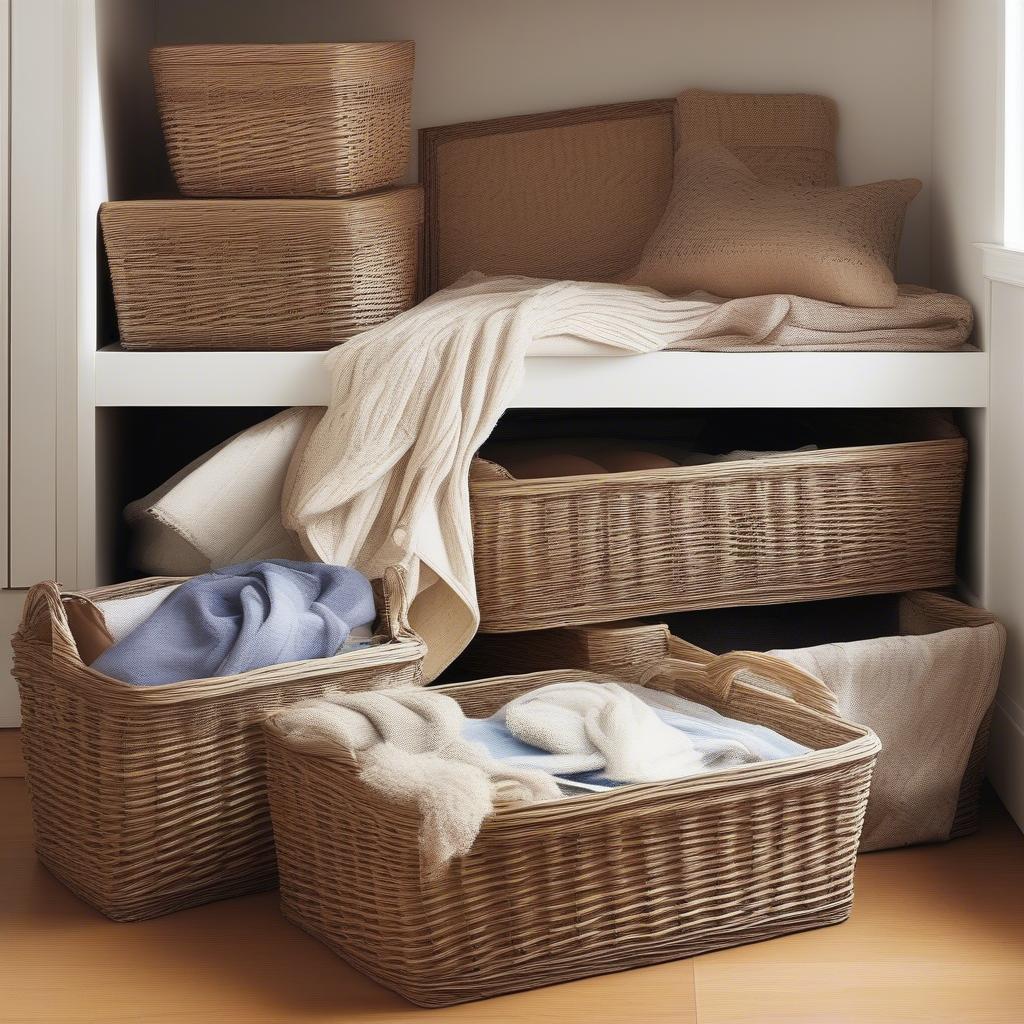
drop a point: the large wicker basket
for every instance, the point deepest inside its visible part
(322, 119)
(260, 273)
(628, 648)
(147, 800)
(828, 523)
(587, 885)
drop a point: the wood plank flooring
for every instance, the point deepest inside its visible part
(937, 936)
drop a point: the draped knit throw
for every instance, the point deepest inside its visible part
(381, 477)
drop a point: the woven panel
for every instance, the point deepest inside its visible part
(570, 195)
(306, 120)
(830, 523)
(148, 800)
(785, 139)
(260, 273)
(577, 887)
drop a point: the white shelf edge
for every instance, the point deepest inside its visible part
(810, 380)
(999, 263)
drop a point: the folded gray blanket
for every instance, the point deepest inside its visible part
(243, 617)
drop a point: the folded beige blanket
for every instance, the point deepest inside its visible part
(381, 477)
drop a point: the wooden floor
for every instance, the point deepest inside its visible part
(937, 935)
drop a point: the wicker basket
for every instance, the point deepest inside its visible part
(327, 119)
(588, 885)
(147, 800)
(828, 523)
(260, 274)
(626, 648)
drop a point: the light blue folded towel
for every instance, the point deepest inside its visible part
(720, 742)
(243, 617)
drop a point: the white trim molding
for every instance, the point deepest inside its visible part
(1000, 263)
(1003, 540)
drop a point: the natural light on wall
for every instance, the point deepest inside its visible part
(1013, 112)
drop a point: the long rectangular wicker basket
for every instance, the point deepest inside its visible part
(855, 520)
(260, 273)
(148, 800)
(587, 885)
(628, 648)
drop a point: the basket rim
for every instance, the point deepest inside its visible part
(633, 798)
(381, 200)
(770, 465)
(284, 49)
(402, 645)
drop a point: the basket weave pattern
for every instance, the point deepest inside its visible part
(148, 800)
(260, 274)
(307, 120)
(831, 523)
(589, 885)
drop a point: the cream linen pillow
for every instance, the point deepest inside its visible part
(726, 232)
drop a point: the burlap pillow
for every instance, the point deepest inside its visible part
(726, 232)
(785, 139)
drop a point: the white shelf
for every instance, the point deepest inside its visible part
(659, 380)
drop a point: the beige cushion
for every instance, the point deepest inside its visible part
(785, 139)
(728, 233)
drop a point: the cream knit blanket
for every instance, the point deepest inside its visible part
(410, 750)
(380, 477)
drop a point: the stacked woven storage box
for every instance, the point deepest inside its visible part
(293, 235)
(148, 799)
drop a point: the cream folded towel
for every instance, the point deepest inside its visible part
(593, 726)
(409, 747)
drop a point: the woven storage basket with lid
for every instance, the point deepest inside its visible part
(260, 273)
(146, 800)
(591, 884)
(559, 551)
(318, 119)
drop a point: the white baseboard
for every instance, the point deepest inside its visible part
(1006, 762)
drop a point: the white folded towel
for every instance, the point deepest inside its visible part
(594, 726)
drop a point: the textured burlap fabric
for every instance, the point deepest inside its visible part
(575, 202)
(725, 231)
(785, 139)
(910, 690)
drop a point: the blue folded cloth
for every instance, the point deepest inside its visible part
(243, 617)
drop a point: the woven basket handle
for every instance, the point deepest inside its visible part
(44, 620)
(802, 686)
(719, 674)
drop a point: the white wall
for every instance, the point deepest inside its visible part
(967, 208)
(967, 151)
(488, 58)
(966, 202)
